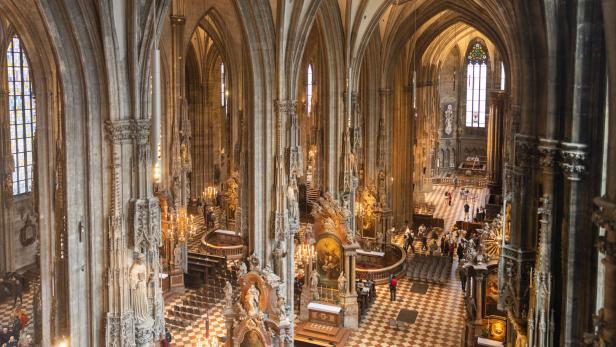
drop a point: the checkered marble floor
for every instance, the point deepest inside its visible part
(194, 334)
(7, 310)
(439, 323)
(440, 319)
(455, 212)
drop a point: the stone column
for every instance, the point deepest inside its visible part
(495, 140)
(480, 273)
(384, 148)
(349, 301)
(578, 266)
(518, 256)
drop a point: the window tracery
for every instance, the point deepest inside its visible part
(22, 115)
(309, 84)
(476, 77)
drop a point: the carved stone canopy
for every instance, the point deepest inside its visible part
(329, 217)
(260, 310)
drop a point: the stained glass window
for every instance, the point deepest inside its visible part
(22, 115)
(476, 77)
(309, 90)
(223, 98)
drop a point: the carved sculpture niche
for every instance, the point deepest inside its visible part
(257, 314)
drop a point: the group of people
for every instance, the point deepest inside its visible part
(12, 336)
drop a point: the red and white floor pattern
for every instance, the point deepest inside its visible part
(440, 319)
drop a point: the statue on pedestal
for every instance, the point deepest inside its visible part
(252, 301)
(292, 206)
(314, 282)
(178, 256)
(138, 292)
(449, 120)
(228, 296)
(342, 284)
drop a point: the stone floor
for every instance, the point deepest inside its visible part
(7, 310)
(450, 214)
(440, 311)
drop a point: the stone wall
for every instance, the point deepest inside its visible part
(22, 234)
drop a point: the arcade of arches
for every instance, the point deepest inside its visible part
(308, 172)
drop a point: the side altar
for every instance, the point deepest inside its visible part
(328, 254)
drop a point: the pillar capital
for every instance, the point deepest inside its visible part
(128, 130)
(573, 160)
(285, 106)
(548, 153)
(525, 150)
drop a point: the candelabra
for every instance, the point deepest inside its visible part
(209, 194)
(307, 255)
(180, 225)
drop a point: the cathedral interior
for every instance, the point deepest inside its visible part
(308, 172)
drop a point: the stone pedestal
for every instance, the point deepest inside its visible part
(303, 304)
(351, 309)
(176, 281)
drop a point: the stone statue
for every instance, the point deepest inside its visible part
(342, 284)
(308, 234)
(178, 258)
(449, 120)
(293, 206)
(252, 300)
(242, 270)
(281, 304)
(138, 289)
(228, 295)
(314, 280)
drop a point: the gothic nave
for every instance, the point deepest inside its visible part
(307, 173)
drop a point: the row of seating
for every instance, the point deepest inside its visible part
(429, 268)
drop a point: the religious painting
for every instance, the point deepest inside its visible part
(368, 227)
(329, 261)
(252, 339)
(491, 295)
(497, 329)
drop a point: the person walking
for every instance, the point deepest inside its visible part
(18, 291)
(462, 274)
(466, 210)
(460, 252)
(393, 283)
(449, 198)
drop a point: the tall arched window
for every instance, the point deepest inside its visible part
(22, 115)
(476, 77)
(223, 96)
(309, 90)
(502, 77)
